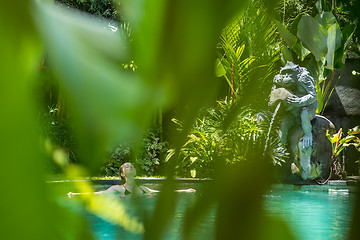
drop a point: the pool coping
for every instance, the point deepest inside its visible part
(139, 180)
(349, 181)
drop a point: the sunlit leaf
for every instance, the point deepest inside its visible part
(354, 131)
(170, 153)
(326, 19)
(333, 43)
(320, 98)
(334, 138)
(193, 173)
(219, 68)
(313, 35)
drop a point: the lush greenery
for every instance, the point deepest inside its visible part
(244, 55)
(147, 157)
(226, 133)
(338, 144)
(209, 143)
(174, 48)
(241, 58)
(316, 40)
(102, 8)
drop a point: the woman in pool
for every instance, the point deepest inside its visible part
(127, 172)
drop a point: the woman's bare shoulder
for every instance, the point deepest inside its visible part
(116, 188)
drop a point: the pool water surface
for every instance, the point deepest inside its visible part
(311, 212)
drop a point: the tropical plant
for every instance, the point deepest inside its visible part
(103, 8)
(147, 156)
(119, 155)
(202, 147)
(245, 55)
(208, 142)
(322, 37)
(152, 153)
(173, 47)
(347, 12)
(338, 144)
(289, 9)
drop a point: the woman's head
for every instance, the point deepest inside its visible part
(127, 170)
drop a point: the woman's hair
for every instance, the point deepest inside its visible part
(121, 170)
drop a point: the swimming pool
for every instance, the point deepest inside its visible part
(313, 211)
(104, 230)
(310, 211)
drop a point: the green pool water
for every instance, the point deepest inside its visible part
(311, 212)
(205, 230)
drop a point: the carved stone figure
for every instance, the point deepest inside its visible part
(295, 89)
(320, 160)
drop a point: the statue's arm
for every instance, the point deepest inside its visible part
(307, 84)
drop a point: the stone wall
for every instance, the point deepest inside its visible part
(343, 108)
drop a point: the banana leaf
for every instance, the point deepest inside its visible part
(333, 43)
(313, 36)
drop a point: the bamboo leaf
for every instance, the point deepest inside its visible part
(229, 83)
(239, 52)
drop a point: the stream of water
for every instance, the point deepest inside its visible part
(270, 126)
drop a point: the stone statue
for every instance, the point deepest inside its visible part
(295, 89)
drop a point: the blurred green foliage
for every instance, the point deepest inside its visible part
(56, 129)
(27, 204)
(57, 132)
(173, 45)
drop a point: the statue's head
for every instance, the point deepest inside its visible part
(291, 66)
(288, 74)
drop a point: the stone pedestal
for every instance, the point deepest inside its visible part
(320, 160)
